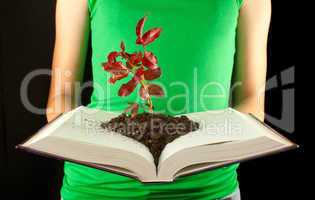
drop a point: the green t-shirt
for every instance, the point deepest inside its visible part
(196, 54)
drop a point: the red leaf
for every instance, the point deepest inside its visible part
(134, 59)
(149, 59)
(126, 56)
(117, 77)
(127, 88)
(150, 36)
(152, 89)
(115, 68)
(112, 56)
(139, 41)
(151, 74)
(140, 25)
(139, 73)
(155, 90)
(143, 93)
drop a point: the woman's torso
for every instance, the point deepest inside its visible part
(195, 50)
(196, 54)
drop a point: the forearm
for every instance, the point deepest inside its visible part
(66, 79)
(250, 72)
(59, 104)
(72, 33)
(253, 105)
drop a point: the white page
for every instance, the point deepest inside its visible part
(216, 127)
(51, 127)
(85, 126)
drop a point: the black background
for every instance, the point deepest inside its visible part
(27, 36)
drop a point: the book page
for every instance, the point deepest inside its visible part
(215, 127)
(85, 126)
(51, 127)
(210, 156)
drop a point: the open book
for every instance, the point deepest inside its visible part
(224, 137)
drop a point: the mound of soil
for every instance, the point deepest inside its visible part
(154, 130)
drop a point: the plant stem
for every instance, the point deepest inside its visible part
(149, 97)
(146, 88)
(142, 82)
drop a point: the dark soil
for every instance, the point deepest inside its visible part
(152, 129)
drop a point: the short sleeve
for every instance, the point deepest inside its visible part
(239, 3)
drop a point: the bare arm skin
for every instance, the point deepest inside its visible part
(251, 57)
(72, 31)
